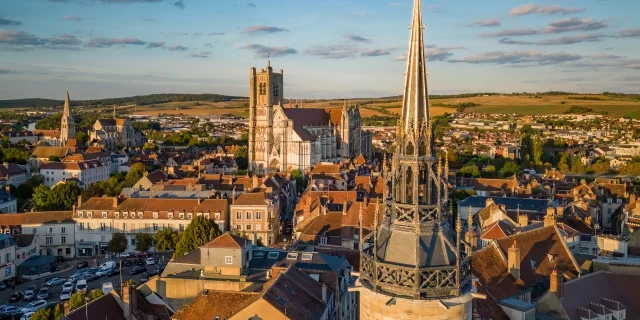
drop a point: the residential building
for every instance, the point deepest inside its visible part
(27, 246)
(54, 230)
(83, 172)
(13, 174)
(7, 257)
(98, 218)
(257, 215)
(8, 203)
(45, 154)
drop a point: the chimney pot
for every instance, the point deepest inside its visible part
(514, 260)
(325, 297)
(79, 201)
(557, 283)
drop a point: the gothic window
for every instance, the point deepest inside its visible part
(409, 148)
(409, 184)
(275, 90)
(261, 89)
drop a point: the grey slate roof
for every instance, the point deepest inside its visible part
(537, 205)
(436, 247)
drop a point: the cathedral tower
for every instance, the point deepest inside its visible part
(266, 90)
(411, 264)
(67, 126)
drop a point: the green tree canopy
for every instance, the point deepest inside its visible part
(165, 240)
(509, 169)
(143, 241)
(301, 180)
(577, 166)
(563, 164)
(118, 243)
(198, 232)
(82, 137)
(469, 170)
(43, 314)
(78, 300)
(61, 197)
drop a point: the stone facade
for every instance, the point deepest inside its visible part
(373, 306)
(283, 139)
(67, 126)
(114, 133)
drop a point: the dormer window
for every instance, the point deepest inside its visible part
(89, 214)
(206, 215)
(116, 214)
(155, 215)
(140, 215)
(181, 215)
(125, 214)
(79, 214)
(170, 215)
(323, 240)
(104, 215)
(189, 215)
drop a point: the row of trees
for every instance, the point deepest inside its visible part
(77, 300)
(199, 232)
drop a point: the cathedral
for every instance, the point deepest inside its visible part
(283, 139)
(115, 133)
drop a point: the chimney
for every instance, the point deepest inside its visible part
(255, 181)
(523, 220)
(67, 308)
(79, 201)
(557, 283)
(325, 297)
(550, 218)
(115, 202)
(514, 260)
(344, 208)
(127, 300)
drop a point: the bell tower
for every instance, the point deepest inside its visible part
(266, 90)
(67, 126)
(412, 266)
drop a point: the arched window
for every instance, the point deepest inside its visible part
(409, 148)
(409, 183)
(275, 90)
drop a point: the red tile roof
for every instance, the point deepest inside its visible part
(227, 240)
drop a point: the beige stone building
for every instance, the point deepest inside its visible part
(283, 139)
(115, 132)
(257, 215)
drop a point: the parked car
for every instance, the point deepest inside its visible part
(126, 262)
(82, 264)
(15, 280)
(91, 274)
(2, 285)
(34, 306)
(66, 294)
(9, 310)
(107, 287)
(138, 269)
(139, 262)
(16, 296)
(150, 261)
(54, 281)
(81, 286)
(43, 293)
(67, 286)
(143, 254)
(30, 293)
(113, 272)
(27, 316)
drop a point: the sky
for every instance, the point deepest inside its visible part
(327, 49)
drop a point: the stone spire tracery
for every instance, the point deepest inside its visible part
(67, 126)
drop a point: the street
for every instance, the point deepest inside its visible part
(56, 290)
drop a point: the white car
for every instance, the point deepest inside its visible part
(34, 306)
(66, 294)
(67, 286)
(81, 286)
(150, 261)
(27, 316)
(54, 281)
(107, 287)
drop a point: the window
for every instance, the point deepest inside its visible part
(248, 214)
(258, 214)
(8, 257)
(103, 226)
(126, 215)
(104, 215)
(323, 240)
(281, 301)
(63, 229)
(34, 230)
(248, 227)
(189, 215)
(155, 215)
(273, 255)
(89, 214)
(124, 226)
(181, 215)
(81, 225)
(289, 288)
(79, 214)
(49, 240)
(133, 241)
(16, 231)
(228, 260)
(155, 227)
(307, 256)
(140, 215)
(63, 239)
(68, 251)
(239, 227)
(292, 255)
(181, 227)
(89, 226)
(117, 214)
(217, 216)
(238, 215)
(170, 215)
(206, 215)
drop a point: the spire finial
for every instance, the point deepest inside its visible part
(269, 60)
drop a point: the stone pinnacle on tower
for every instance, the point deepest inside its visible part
(415, 102)
(67, 126)
(67, 108)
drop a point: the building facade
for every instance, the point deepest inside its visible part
(84, 172)
(283, 139)
(257, 216)
(115, 133)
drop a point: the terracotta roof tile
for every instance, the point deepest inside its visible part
(227, 240)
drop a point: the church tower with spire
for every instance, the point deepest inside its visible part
(412, 264)
(67, 126)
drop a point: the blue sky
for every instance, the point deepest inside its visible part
(328, 48)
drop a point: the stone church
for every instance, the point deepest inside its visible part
(283, 139)
(115, 133)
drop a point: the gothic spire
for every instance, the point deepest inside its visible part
(67, 107)
(415, 102)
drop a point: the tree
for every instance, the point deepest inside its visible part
(240, 156)
(82, 137)
(577, 166)
(197, 233)
(118, 243)
(509, 169)
(301, 180)
(563, 164)
(78, 300)
(61, 197)
(537, 150)
(54, 159)
(58, 312)
(143, 241)
(469, 170)
(43, 314)
(135, 174)
(96, 293)
(165, 240)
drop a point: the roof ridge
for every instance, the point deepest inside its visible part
(523, 232)
(87, 304)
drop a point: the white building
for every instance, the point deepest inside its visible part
(54, 230)
(85, 172)
(7, 257)
(11, 173)
(8, 203)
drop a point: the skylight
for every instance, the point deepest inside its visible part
(273, 255)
